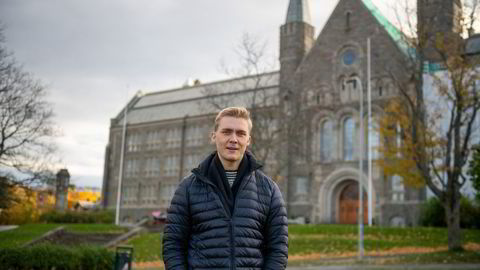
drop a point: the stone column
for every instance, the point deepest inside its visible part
(61, 194)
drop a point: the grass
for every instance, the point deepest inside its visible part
(341, 240)
(28, 232)
(95, 228)
(24, 234)
(445, 257)
(147, 247)
(434, 258)
(327, 240)
(306, 239)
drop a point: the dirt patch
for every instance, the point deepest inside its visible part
(156, 264)
(74, 239)
(343, 236)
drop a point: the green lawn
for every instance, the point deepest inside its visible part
(329, 240)
(95, 228)
(305, 239)
(333, 240)
(23, 234)
(438, 257)
(147, 247)
(28, 232)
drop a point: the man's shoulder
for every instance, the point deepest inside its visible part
(187, 181)
(264, 179)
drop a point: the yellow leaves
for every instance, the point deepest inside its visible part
(82, 195)
(28, 207)
(400, 151)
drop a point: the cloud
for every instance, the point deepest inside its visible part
(93, 55)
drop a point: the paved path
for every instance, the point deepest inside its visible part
(374, 267)
(6, 228)
(396, 267)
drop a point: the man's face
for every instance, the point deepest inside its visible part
(231, 139)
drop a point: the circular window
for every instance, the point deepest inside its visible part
(349, 57)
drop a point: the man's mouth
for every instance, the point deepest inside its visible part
(231, 148)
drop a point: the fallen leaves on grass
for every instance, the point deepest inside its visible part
(315, 256)
(155, 264)
(393, 251)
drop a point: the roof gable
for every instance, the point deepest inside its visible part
(396, 35)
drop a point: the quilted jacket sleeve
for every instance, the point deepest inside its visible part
(276, 249)
(177, 229)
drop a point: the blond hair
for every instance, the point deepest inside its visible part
(237, 112)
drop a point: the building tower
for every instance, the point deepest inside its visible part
(296, 39)
(438, 19)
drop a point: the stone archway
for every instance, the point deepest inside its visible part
(348, 204)
(327, 209)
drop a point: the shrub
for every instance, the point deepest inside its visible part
(433, 214)
(103, 216)
(469, 214)
(57, 257)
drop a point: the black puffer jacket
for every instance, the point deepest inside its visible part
(200, 232)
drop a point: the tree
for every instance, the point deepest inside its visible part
(26, 127)
(474, 172)
(262, 101)
(435, 116)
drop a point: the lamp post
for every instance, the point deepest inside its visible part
(120, 171)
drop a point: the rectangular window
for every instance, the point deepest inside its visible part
(398, 189)
(302, 185)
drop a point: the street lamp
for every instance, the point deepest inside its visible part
(120, 171)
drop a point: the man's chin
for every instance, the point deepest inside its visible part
(231, 158)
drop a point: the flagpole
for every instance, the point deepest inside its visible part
(360, 174)
(369, 102)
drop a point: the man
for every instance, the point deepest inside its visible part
(227, 214)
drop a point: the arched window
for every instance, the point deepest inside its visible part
(347, 20)
(371, 137)
(348, 135)
(398, 139)
(326, 141)
(311, 98)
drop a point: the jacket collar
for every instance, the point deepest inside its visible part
(202, 170)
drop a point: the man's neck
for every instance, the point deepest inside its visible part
(229, 165)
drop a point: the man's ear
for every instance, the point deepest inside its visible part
(249, 140)
(212, 137)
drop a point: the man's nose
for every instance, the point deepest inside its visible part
(233, 138)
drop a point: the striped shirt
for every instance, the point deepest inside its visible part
(231, 175)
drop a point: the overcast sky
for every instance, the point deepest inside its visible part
(93, 55)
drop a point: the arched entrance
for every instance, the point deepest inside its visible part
(348, 202)
(328, 208)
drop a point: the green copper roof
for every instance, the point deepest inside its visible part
(299, 11)
(394, 33)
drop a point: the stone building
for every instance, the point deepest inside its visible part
(316, 91)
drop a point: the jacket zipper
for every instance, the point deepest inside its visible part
(229, 216)
(232, 246)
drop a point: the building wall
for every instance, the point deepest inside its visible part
(159, 154)
(327, 92)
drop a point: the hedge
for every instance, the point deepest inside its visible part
(433, 214)
(47, 257)
(103, 216)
